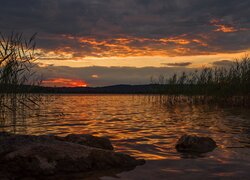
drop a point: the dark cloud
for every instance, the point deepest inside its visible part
(223, 63)
(151, 19)
(100, 76)
(182, 64)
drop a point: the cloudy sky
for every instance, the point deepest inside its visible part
(105, 42)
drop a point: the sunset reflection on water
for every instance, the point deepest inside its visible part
(147, 130)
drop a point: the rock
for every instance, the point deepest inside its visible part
(25, 155)
(189, 143)
(88, 140)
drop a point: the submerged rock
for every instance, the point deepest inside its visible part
(188, 143)
(25, 155)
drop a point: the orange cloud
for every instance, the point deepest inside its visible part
(134, 46)
(76, 48)
(95, 76)
(226, 28)
(63, 82)
(198, 41)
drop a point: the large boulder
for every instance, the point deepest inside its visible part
(88, 140)
(189, 143)
(25, 155)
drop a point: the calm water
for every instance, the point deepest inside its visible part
(147, 130)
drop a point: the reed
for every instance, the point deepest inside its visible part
(221, 85)
(16, 62)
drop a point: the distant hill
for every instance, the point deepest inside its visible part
(116, 89)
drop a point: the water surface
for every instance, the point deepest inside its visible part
(149, 130)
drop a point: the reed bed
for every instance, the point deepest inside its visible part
(16, 62)
(216, 85)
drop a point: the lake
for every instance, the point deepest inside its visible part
(140, 127)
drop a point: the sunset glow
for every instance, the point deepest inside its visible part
(62, 82)
(95, 37)
(125, 89)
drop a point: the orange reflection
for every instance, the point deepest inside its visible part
(63, 82)
(145, 130)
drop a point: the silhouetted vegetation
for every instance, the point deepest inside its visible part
(223, 85)
(115, 89)
(16, 62)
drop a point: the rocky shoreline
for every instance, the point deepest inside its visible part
(48, 156)
(36, 156)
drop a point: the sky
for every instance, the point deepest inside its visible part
(107, 42)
